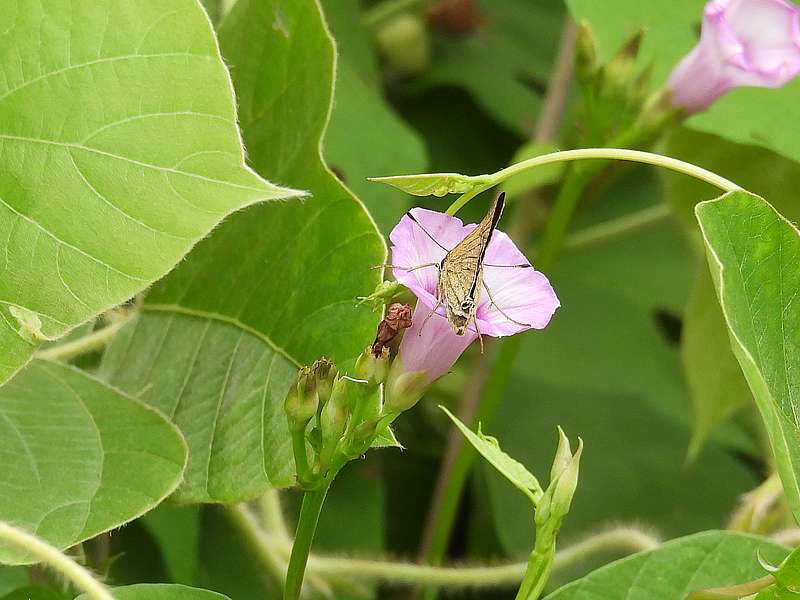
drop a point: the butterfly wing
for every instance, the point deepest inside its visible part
(461, 272)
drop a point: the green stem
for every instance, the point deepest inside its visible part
(538, 572)
(267, 554)
(597, 234)
(304, 536)
(650, 158)
(86, 344)
(60, 563)
(271, 546)
(303, 469)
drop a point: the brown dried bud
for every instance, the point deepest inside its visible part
(455, 17)
(398, 317)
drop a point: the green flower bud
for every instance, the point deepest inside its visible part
(361, 439)
(333, 418)
(301, 400)
(324, 374)
(371, 368)
(586, 63)
(563, 456)
(565, 485)
(405, 44)
(403, 389)
(619, 74)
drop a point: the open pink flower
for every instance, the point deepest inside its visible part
(522, 297)
(743, 43)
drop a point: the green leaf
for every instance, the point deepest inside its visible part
(120, 151)
(788, 574)
(704, 560)
(177, 530)
(12, 578)
(509, 468)
(753, 256)
(161, 591)
(745, 115)
(71, 445)
(716, 386)
(222, 336)
(388, 145)
(35, 592)
(433, 184)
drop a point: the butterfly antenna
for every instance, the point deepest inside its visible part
(433, 239)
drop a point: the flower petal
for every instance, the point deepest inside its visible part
(412, 246)
(431, 345)
(522, 294)
(743, 43)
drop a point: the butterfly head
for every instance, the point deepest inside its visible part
(461, 314)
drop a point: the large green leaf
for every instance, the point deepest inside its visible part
(274, 286)
(754, 257)
(161, 591)
(119, 150)
(79, 458)
(745, 115)
(716, 384)
(708, 559)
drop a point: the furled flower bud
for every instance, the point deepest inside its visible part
(405, 44)
(742, 43)
(566, 484)
(302, 400)
(371, 367)
(586, 62)
(325, 374)
(557, 498)
(403, 389)
(333, 419)
(619, 76)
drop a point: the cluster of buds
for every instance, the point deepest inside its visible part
(557, 498)
(333, 417)
(743, 43)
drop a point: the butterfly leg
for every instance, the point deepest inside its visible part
(407, 269)
(500, 310)
(478, 331)
(435, 308)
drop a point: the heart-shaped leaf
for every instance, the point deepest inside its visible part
(119, 150)
(754, 257)
(222, 336)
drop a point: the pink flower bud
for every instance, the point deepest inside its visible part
(743, 43)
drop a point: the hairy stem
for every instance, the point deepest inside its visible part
(267, 553)
(304, 536)
(89, 343)
(597, 234)
(60, 563)
(624, 540)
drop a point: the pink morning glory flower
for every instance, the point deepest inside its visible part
(743, 43)
(522, 297)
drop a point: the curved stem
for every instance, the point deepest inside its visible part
(64, 565)
(625, 539)
(306, 527)
(640, 156)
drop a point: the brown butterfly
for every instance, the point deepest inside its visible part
(461, 272)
